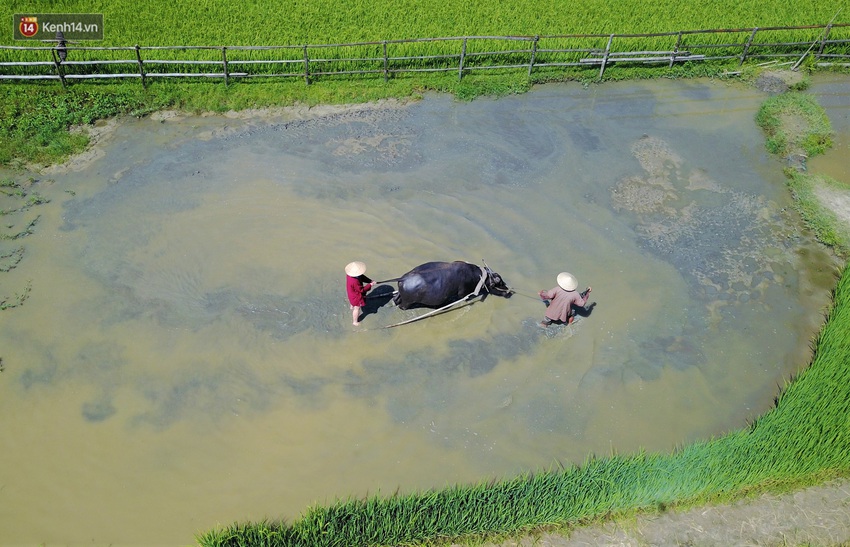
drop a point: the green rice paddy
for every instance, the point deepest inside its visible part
(290, 22)
(33, 123)
(803, 440)
(285, 26)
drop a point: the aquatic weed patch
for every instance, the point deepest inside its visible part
(810, 192)
(797, 128)
(16, 202)
(35, 120)
(795, 124)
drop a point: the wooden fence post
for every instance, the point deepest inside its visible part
(747, 46)
(88, 67)
(58, 65)
(823, 41)
(675, 49)
(306, 66)
(386, 63)
(605, 56)
(533, 54)
(462, 57)
(141, 66)
(224, 63)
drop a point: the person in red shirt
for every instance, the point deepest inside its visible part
(561, 299)
(357, 285)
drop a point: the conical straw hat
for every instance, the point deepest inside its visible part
(567, 281)
(355, 268)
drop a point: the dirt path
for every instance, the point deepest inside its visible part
(819, 515)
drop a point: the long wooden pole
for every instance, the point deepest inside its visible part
(386, 63)
(224, 64)
(462, 57)
(58, 66)
(533, 54)
(141, 66)
(430, 313)
(826, 34)
(747, 46)
(605, 57)
(306, 67)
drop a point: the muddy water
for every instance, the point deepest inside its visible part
(186, 356)
(833, 94)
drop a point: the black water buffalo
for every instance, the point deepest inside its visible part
(437, 284)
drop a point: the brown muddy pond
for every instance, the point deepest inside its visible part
(186, 358)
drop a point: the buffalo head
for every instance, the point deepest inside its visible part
(496, 285)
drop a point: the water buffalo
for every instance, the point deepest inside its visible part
(437, 284)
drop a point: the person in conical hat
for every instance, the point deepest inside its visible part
(356, 285)
(561, 300)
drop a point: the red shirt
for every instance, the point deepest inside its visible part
(356, 290)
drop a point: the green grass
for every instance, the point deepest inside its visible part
(34, 119)
(288, 22)
(795, 123)
(826, 225)
(295, 23)
(16, 203)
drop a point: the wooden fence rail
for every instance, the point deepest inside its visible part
(388, 58)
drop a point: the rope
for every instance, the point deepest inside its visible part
(381, 295)
(481, 282)
(535, 297)
(430, 313)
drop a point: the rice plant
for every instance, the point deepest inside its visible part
(287, 23)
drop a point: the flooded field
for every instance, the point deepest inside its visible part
(833, 94)
(185, 357)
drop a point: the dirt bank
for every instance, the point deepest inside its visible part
(101, 132)
(818, 515)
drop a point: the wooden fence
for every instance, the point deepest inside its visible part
(826, 44)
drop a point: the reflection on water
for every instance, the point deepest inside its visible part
(186, 356)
